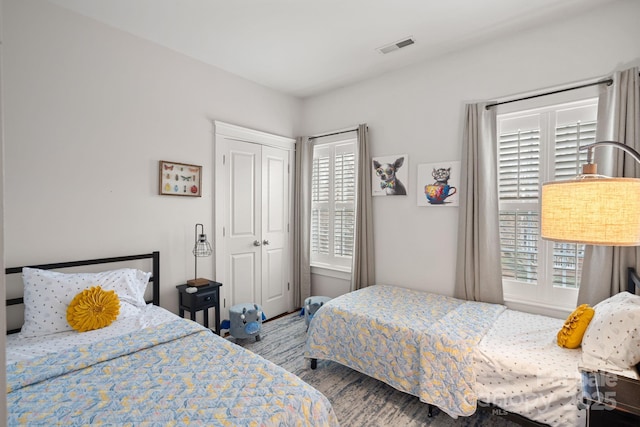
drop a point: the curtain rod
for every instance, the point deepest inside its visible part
(608, 82)
(334, 133)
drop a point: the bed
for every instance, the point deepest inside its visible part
(148, 367)
(462, 356)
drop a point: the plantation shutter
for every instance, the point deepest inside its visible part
(320, 186)
(519, 245)
(536, 146)
(519, 165)
(344, 200)
(569, 137)
(568, 158)
(518, 181)
(333, 204)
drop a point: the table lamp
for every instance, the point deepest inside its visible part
(202, 248)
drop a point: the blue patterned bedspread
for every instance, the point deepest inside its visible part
(178, 373)
(417, 342)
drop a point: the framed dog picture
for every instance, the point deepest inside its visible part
(437, 184)
(180, 179)
(389, 175)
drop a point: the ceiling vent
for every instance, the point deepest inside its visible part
(396, 45)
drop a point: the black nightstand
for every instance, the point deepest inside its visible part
(610, 399)
(206, 297)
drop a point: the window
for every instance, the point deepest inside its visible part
(333, 204)
(534, 147)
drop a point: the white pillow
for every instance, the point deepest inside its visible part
(47, 295)
(613, 336)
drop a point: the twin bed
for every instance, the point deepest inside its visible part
(461, 356)
(149, 367)
(153, 367)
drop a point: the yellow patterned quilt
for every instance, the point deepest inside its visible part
(417, 342)
(178, 373)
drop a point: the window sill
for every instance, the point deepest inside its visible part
(336, 272)
(544, 309)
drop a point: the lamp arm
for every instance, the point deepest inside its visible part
(590, 148)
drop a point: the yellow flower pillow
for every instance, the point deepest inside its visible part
(570, 336)
(93, 308)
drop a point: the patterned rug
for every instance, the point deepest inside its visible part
(357, 399)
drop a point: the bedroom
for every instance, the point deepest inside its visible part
(87, 118)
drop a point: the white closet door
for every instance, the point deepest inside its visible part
(253, 212)
(243, 241)
(275, 253)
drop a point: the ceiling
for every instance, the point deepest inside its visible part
(307, 47)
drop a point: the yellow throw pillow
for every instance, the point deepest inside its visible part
(570, 336)
(93, 308)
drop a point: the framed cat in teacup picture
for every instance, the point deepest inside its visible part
(437, 184)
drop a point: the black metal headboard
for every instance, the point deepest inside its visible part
(155, 273)
(633, 280)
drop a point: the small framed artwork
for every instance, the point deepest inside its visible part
(180, 179)
(389, 175)
(437, 184)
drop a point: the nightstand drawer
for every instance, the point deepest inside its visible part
(206, 299)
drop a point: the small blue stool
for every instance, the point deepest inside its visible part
(245, 321)
(311, 305)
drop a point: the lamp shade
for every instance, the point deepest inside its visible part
(595, 211)
(202, 247)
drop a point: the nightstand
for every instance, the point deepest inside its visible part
(206, 297)
(610, 399)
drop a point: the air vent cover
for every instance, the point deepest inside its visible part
(396, 45)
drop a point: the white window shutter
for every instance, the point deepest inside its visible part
(569, 137)
(519, 245)
(536, 146)
(320, 218)
(344, 198)
(333, 204)
(519, 165)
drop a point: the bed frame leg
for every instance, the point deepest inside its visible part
(314, 363)
(429, 410)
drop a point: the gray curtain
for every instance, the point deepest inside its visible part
(363, 268)
(301, 221)
(478, 268)
(604, 270)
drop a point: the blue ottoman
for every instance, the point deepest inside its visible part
(311, 305)
(245, 321)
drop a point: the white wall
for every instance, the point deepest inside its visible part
(89, 112)
(3, 318)
(419, 111)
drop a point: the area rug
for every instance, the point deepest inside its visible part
(357, 399)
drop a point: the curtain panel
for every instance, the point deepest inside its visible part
(302, 221)
(363, 267)
(478, 267)
(604, 269)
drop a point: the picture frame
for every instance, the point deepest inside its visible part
(180, 179)
(389, 175)
(437, 184)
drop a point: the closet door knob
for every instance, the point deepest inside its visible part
(265, 242)
(256, 243)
